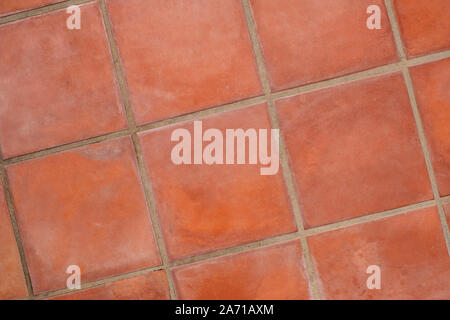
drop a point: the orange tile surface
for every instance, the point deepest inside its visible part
(409, 249)
(83, 207)
(306, 41)
(13, 6)
(274, 272)
(207, 207)
(151, 286)
(12, 281)
(57, 85)
(431, 82)
(354, 149)
(186, 57)
(87, 119)
(424, 25)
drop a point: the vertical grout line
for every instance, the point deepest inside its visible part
(12, 215)
(287, 174)
(418, 121)
(149, 198)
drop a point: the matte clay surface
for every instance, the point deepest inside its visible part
(208, 207)
(409, 249)
(305, 41)
(189, 55)
(431, 83)
(83, 207)
(354, 149)
(57, 85)
(12, 6)
(12, 281)
(274, 272)
(151, 286)
(424, 25)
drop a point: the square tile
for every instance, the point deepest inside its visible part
(431, 86)
(13, 6)
(150, 286)
(305, 41)
(424, 25)
(83, 207)
(409, 250)
(208, 207)
(354, 149)
(274, 272)
(183, 56)
(57, 85)
(12, 281)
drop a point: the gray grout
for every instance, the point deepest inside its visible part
(418, 121)
(269, 97)
(287, 174)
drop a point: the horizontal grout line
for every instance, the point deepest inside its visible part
(445, 199)
(21, 15)
(428, 58)
(96, 283)
(235, 249)
(65, 147)
(368, 218)
(203, 113)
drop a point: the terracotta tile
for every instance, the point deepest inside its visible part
(305, 41)
(433, 99)
(409, 249)
(354, 149)
(83, 207)
(12, 281)
(424, 25)
(189, 55)
(57, 84)
(207, 207)
(151, 286)
(13, 6)
(273, 272)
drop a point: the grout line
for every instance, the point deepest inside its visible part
(236, 249)
(12, 214)
(96, 283)
(65, 147)
(138, 151)
(287, 174)
(21, 15)
(369, 218)
(418, 121)
(445, 199)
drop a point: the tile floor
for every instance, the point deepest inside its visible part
(86, 118)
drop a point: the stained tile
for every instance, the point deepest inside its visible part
(424, 25)
(306, 41)
(182, 56)
(151, 286)
(273, 272)
(82, 207)
(12, 281)
(409, 250)
(431, 84)
(13, 6)
(207, 207)
(354, 149)
(57, 85)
